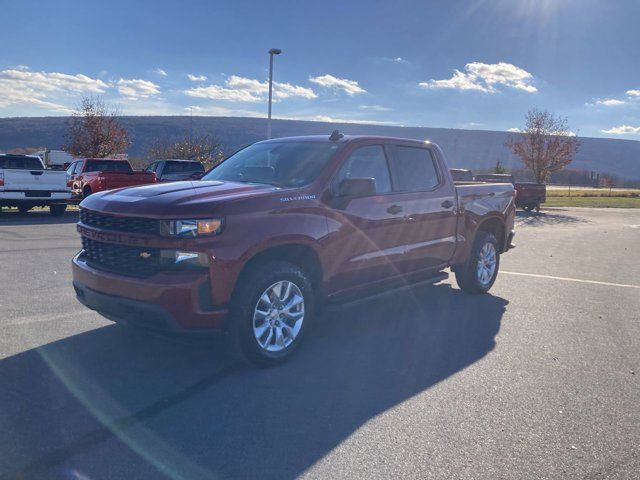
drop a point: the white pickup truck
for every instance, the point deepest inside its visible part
(24, 183)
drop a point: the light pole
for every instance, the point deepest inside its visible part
(272, 52)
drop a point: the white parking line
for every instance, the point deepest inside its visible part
(594, 282)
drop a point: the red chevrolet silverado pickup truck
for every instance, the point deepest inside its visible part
(280, 226)
(91, 175)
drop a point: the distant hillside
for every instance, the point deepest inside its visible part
(474, 149)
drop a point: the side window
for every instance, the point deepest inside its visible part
(367, 162)
(78, 168)
(71, 168)
(152, 167)
(414, 169)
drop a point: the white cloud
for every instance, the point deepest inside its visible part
(623, 130)
(607, 102)
(633, 93)
(350, 87)
(241, 89)
(134, 89)
(197, 78)
(217, 111)
(374, 108)
(42, 89)
(514, 130)
(161, 72)
(486, 77)
(395, 59)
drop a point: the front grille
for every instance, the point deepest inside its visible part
(122, 224)
(122, 259)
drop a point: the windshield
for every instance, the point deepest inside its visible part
(284, 164)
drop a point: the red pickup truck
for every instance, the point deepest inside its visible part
(92, 175)
(529, 195)
(280, 226)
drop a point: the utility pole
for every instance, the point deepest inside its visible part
(272, 52)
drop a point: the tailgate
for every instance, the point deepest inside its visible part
(531, 190)
(40, 180)
(118, 180)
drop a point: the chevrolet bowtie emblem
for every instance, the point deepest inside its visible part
(145, 254)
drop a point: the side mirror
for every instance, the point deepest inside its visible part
(357, 187)
(197, 175)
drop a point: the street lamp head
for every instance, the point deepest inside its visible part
(275, 51)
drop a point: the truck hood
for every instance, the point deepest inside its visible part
(173, 200)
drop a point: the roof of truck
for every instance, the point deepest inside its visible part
(343, 139)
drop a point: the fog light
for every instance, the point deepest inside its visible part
(185, 256)
(178, 257)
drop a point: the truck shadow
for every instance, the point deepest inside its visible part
(38, 217)
(541, 219)
(87, 402)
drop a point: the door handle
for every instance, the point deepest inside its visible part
(394, 209)
(447, 204)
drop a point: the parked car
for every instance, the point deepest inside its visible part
(281, 226)
(24, 183)
(92, 175)
(530, 195)
(175, 170)
(461, 175)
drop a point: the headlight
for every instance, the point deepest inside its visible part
(193, 228)
(177, 257)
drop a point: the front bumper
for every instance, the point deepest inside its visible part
(170, 302)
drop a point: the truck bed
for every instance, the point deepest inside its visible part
(480, 197)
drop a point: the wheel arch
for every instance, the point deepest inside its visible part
(494, 225)
(298, 253)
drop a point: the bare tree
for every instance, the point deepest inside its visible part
(95, 131)
(205, 149)
(546, 145)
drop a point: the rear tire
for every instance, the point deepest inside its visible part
(270, 309)
(24, 209)
(57, 209)
(479, 273)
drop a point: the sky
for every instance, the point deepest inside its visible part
(475, 64)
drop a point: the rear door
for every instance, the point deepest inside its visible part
(428, 201)
(367, 240)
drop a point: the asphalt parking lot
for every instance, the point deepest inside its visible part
(540, 379)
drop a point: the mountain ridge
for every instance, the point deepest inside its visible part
(474, 149)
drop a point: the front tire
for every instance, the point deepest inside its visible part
(479, 273)
(273, 304)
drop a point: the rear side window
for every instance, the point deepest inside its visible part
(367, 162)
(183, 167)
(20, 163)
(414, 169)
